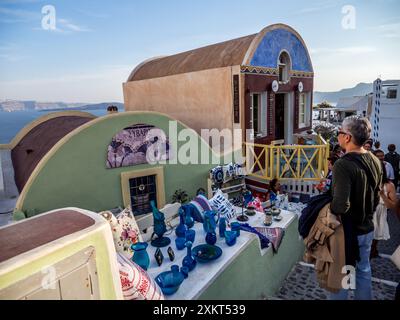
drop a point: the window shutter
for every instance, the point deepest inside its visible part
(296, 111)
(271, 114)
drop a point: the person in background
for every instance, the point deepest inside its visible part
(397, 212)
(394, 159)
(377, 145)
(389, 169)
(338, 151)
(357, 177)
(274, 189)
(387, 201)
(368, 145)
(325, 184)
(112, 109)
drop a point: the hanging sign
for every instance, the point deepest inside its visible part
(300, 86)
(275, 86)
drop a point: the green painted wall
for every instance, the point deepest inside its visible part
(76, 174)
(252, 276)
(96, 240)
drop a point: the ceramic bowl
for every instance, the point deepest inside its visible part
(268, 221)
(276, 211)
(251, 211)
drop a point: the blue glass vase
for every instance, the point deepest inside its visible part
(181, 228)
(188, 261)
(209, 223)
(159, 228)
(140, 255)
(222, 227)
(211, 238)
(189, 221)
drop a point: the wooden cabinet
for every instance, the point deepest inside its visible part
(73, 278)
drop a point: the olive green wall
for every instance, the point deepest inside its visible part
(76, 174)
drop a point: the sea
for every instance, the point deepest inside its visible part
(12, 122)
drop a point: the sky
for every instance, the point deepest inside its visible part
(95, 44)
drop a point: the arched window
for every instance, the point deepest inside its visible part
(284, 67)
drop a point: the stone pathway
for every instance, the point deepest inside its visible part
(301, 282)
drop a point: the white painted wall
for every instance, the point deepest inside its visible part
(386, 122)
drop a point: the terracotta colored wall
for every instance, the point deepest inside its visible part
(200, 99)
(33, 147)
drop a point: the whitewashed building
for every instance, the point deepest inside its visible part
(385, 113)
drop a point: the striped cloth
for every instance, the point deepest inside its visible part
(136, 283)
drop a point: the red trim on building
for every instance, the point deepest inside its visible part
(262, 83)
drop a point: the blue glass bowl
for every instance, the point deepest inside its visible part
(169, 289)
(206, 253)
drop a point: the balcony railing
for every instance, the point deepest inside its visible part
(293, 162)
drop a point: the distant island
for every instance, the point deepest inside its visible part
(31, 105)
(333, 97)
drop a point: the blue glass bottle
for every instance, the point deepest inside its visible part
(188, 261)
(222, 227)
(211, 238)
(181, 228)
(140, 255)
(189, 221)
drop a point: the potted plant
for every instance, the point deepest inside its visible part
(180, 196)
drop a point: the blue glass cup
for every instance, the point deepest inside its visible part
(235, 226)
(180, 243)
(230, 237)
(185, 272)
(190, 235)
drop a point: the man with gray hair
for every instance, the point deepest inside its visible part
(355, 189)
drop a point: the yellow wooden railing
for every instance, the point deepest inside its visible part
(304, 162)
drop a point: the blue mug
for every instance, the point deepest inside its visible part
(180, 243)
(190, 235)
(230, 237)
(235, 226)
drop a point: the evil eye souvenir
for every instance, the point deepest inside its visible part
(218, 175)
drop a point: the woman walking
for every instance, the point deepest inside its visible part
(387, 201)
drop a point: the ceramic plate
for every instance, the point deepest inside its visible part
(206, 252)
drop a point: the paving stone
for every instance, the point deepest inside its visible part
(389, 246)
(294, 289)
(384, 268)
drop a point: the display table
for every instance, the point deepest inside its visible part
(244, 271)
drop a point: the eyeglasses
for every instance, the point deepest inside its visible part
(342, 132)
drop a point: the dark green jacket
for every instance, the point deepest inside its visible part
(352, 194)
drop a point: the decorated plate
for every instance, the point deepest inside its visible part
(206, 252)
